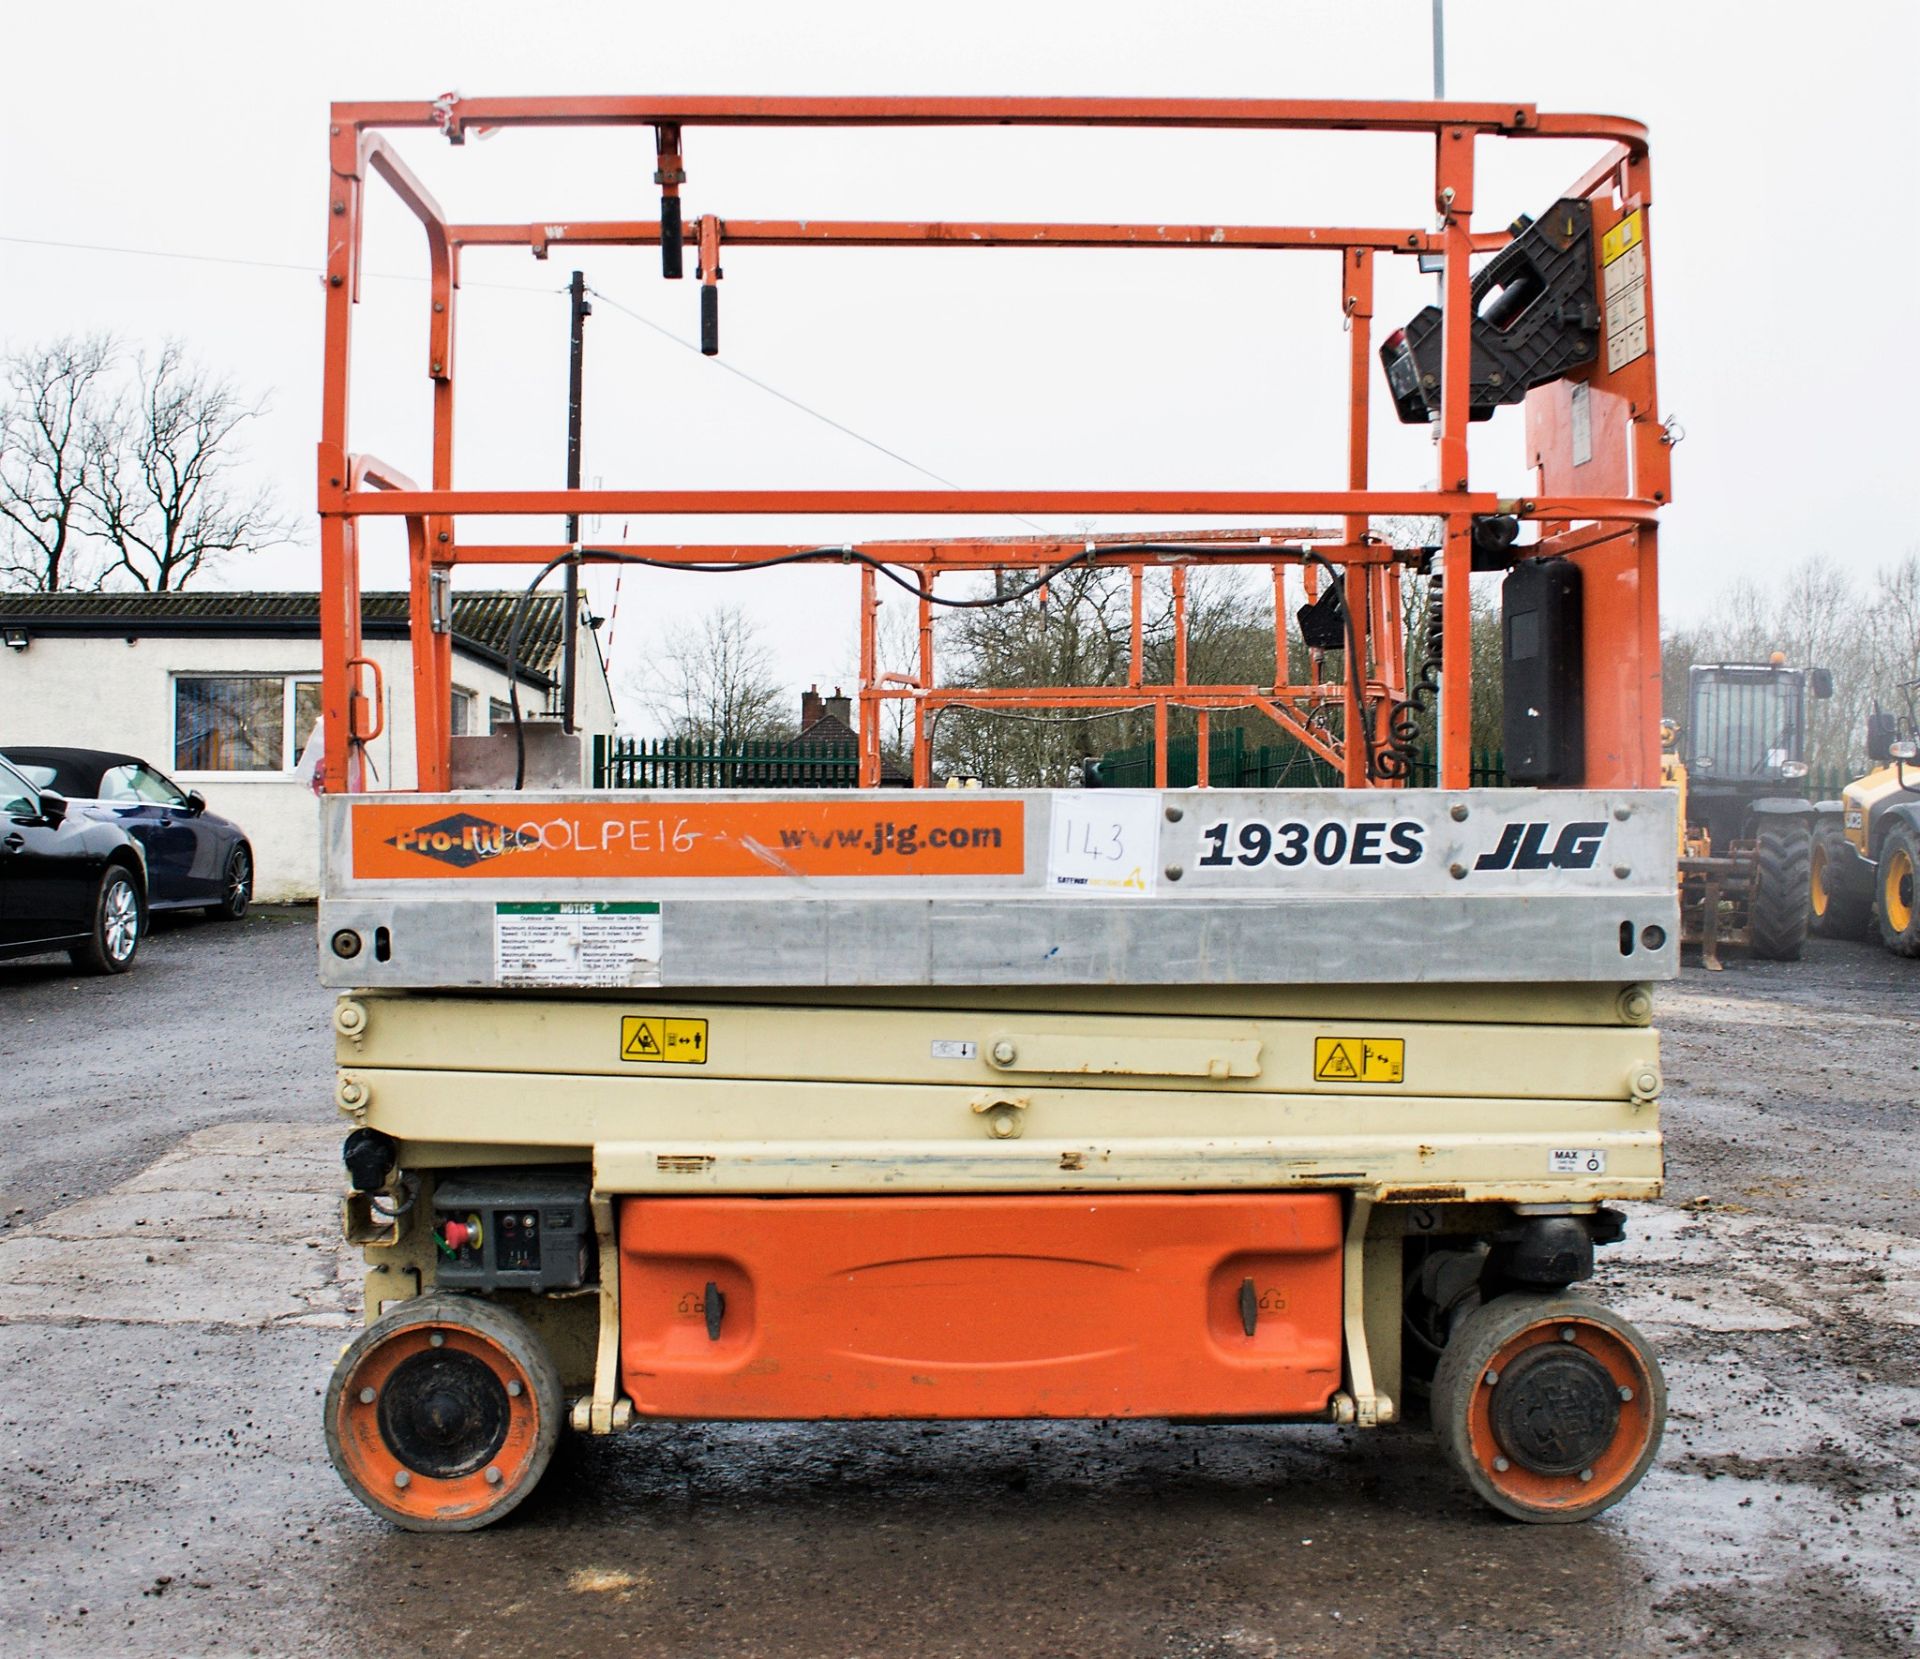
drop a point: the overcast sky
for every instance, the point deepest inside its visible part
(1785, 247)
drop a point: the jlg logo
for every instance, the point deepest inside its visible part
(1524, 847)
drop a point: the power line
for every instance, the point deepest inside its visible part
(774, 391)
(251, 264)
(788, 398)
(509, 287)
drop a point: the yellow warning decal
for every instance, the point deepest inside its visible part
(664, 1042)
(1623, 236)
(1359, 1059)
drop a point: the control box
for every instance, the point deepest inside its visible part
(530, 1230)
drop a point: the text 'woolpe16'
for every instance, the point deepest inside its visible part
(1218, 1102)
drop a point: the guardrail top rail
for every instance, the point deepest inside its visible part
(1594, 436)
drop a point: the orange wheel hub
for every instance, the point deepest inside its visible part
(1561, 1415)
(442, 1416)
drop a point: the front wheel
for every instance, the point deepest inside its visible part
(442, 1415)
(1840, 910)
(1899, 914)
(1551, 1407)
(115, 936)
(1778, 911)
(236, 887)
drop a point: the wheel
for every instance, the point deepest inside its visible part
(1551, 1407)
(236, 887)
(115, 936)
(1899, 914)
(1778, 911)
(1839, 912)
(443, 1414)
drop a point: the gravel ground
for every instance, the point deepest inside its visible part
(172, 1295)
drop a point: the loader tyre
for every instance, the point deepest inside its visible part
(1838, 913)
(1551, 1407)
(1895, 899)
(442, 1415)
(1780, 908)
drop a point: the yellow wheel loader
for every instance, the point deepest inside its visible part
(1866, 845)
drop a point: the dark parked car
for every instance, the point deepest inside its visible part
(69, 880)
(195, 858)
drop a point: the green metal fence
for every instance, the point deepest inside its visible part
(1234, 763)
(681, 763)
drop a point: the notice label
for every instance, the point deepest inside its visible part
(1582, 423)
(953, 1048)
(583, 943)
(1623, 284)
(1359, 1059)
(1104, 842)
(1577, 1161)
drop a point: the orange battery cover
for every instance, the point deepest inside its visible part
(1143, 1305)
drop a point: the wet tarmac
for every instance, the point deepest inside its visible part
(172, 1296)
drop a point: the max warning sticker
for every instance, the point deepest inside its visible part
(1359, 1059)
(663, 1040)
(1576, 1160)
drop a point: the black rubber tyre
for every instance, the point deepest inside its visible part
(443, 1414)
(119, 920)
(1839, 912)
(1895, 899)
(236, 886)
(1581, 1421)
(1782, 902)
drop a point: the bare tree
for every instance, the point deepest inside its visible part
(714, 683)
(1819, 614)
(1078, 632)
(55, 444)
(168, 508)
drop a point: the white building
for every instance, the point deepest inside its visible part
(222, 690)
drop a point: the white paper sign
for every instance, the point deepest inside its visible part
(577, 944)
(1104, 841)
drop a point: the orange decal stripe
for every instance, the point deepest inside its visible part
(505, 839)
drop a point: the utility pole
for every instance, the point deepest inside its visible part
(1439, 49)
(579, 311)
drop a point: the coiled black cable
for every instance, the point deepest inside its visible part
(1398, 755)
(812, 555)
(1362, 709)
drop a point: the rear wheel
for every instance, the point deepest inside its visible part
(1783, 882)
(443, 1414)
(1839, 911)
(1899, 913)
(1551, 1407)
(115, 936)
(236, 887)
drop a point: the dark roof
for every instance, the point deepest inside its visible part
(482, 618)
(82, 765)
(829, 728)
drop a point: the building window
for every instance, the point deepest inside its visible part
(465, 704)
(242, 722)
(499, 712)
(306, 715)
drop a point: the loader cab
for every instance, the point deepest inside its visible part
(1745, 738)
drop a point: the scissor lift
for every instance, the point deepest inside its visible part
(1218, 1104)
